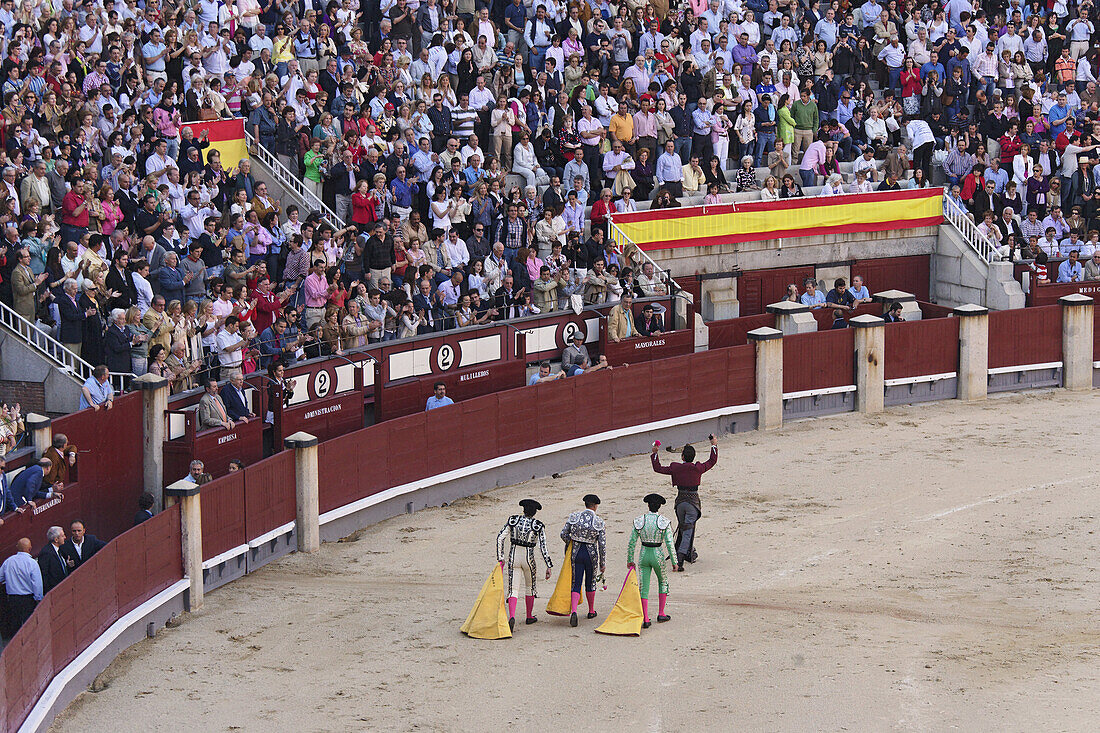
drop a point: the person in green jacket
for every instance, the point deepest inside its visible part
(806, 121)
(313, 160)
(785, 128)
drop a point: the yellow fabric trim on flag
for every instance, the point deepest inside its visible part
(695, 225)
(489, 617)
(232, 151)
(626, 617)
(560, 601)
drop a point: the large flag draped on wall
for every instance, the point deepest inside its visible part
(226, 136)
(700, 226)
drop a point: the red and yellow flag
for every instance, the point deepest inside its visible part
(225, 136)
(700, 226)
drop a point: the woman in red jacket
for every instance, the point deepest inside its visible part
(362, 206)
(601, 209)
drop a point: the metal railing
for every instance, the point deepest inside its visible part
(960, 219)
(291, 182)
(54, 351)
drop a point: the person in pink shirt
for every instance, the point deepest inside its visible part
(811, 160)
(316, 289)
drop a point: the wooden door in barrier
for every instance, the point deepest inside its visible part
(757, 289)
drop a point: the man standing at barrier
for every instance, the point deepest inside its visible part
(524, 531)
(22, 580)
(655, 532)
(686, 477)
(586, 531)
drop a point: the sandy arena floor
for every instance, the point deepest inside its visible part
(929, 569)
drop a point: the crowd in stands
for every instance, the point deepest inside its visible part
(473, 150)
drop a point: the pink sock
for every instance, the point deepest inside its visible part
(530, 600)
(574, 601)
(591, 601)
(645, 610)
(662, 598)
(512, 606)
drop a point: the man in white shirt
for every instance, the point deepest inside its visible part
(229, 344)
(159, 162)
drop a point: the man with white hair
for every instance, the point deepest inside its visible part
(54, 567)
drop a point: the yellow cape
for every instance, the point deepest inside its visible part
(625, 618)
(560, 602)
(489, 617)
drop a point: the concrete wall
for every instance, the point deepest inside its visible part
(20, 363)
(959, 275)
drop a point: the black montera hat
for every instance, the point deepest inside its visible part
(591, 499)
(531, 505)
(654, 499)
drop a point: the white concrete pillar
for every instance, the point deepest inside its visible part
(186, 493)
(973, 374)
(39, 428)
(910, 311)
(870, 363)
(792, 318)
(154, 403)
(1077, 334)
(307, 493)
(769, 376)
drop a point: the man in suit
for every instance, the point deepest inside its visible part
(620, 322)
(58, 185)
(343, 176)
(29, 486)
(1092, 267)
(212, 412)
(235, 402)
(62, 456)
(119, 280)
(54, 567)
(145, 508)
(8, 501)
(24, 285)
(80, 546)
(72, 317)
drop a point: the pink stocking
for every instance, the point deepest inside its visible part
(512, 606)
(645, 610)
(574, 601)
(662, 597)
(530, 606)
(591, 601)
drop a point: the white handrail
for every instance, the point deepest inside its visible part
(292, 182)
(960, 219)
(54, 351)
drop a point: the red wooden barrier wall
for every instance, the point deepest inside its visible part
(1096, 334)
(731, 332)
(269, 494)
(649, 348)
(918, 348)
(908, 274)
(131, 569)
(757, 289)
(818, 360)
(824, 316)
(1050, 293)
(1025, 336)
(223, 514)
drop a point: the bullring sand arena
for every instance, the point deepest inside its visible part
(931, 568)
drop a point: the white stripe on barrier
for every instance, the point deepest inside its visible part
(819, 392)
(224, 557)
(920, 379)
(41, 709)
(476, 468)
(268, 536)
(1026, 368)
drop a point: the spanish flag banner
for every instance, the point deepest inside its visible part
(225, 136)
(702, 226)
